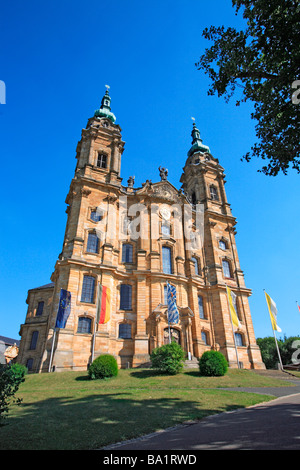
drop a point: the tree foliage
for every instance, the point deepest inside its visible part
(288, 349)
(11, 376)
(264, 62)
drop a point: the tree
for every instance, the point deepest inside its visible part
(11, 376)
(288, 347)
(264, 61)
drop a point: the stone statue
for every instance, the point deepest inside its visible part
(163, 172)
(130, 181)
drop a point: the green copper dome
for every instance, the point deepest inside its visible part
(197, 145)
(105, 110)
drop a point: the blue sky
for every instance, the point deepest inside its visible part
(56, 58)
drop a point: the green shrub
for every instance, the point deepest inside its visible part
(213, 363)
(168, 358)
(103, 367)
(11, 376)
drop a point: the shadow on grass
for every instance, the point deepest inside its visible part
(91, 421)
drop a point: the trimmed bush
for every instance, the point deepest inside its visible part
(168, 358)
(212, 364)
(103, 367)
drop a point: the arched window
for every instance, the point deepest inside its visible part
(200, 306)
(213, 193)
(88, 289)
(127, 253)
(34, 338)
(125, 331)
(125, 297)
(226, 268)
(167, 259)
(196, 264)
(92, 243)
(84, 325)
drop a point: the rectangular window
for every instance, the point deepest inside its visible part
(40, 309)
(226, 268)
(84, 325)
(125, 297)
(214, 193)
(102, 160)
(88, 289)
(195, 261)
(124, 331)
(200, 306)
(34, 339)
(127, 253)
(204, 337)
(92, 243)
(167, 259)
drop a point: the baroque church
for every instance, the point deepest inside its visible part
(133, 241)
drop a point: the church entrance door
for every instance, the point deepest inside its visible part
(175, 335)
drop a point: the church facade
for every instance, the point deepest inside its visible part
(135, 240)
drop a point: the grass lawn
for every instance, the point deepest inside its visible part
(66, 410)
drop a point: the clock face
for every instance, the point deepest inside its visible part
(165, 213)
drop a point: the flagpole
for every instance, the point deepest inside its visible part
(95, 321)
(280, 361)
(52, 349)
(277, 349)
(236, 351)
(169, 329)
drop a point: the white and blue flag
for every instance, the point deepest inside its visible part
(173, 314)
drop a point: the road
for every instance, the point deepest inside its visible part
(271, 425)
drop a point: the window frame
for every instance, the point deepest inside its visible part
(100, 160)
(90, 244)
(225, 260)
(125, 249)
(170, 251)
(85, 276)
(39, 311)
(127, 327)
(34, 340)
(214, 194)
(195, 260)
(239, 339)
(83, 330)
(201, 310)
(125, 304)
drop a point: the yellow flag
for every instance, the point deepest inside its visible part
(232, 307)
(273, 312)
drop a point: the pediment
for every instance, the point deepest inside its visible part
(161, 190)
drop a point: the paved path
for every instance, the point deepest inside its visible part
(268, 426)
